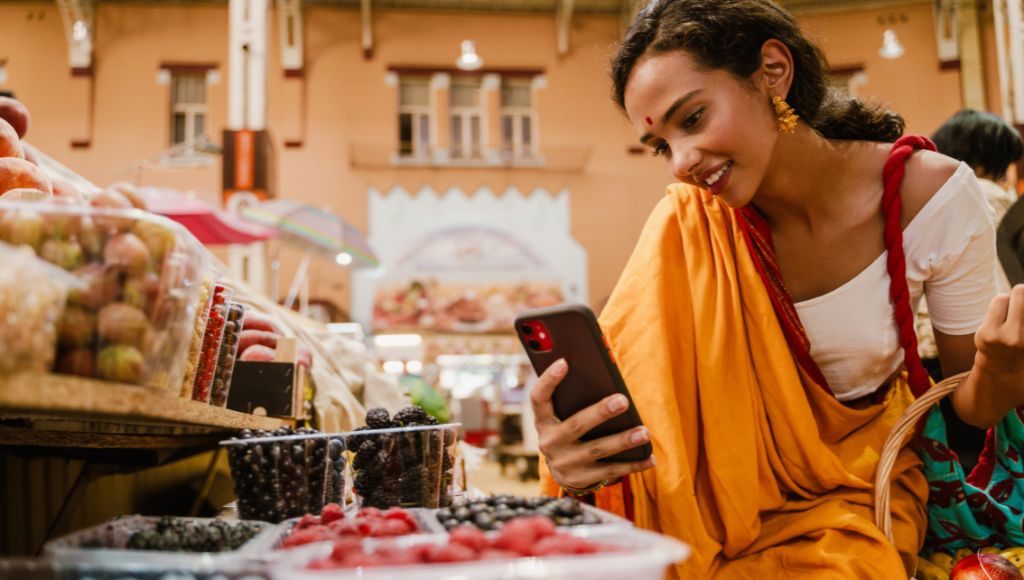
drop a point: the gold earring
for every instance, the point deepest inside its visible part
(785, 118)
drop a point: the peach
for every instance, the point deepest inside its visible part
(10, 145)
(14, 113)
(20, 174)
(66, 189)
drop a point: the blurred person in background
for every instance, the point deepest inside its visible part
(991, 146)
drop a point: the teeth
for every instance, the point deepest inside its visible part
(718, 174)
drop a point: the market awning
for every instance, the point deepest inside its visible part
(209, 224)
(326, 232)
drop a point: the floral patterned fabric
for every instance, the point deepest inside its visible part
(981, 509)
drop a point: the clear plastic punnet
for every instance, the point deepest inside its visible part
(403, 467)
(633, 554)
(287, 476)
(491, 513)
(167, 541)
(132, 318)
(284, 537)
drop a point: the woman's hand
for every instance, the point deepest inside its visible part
(573, 462)
(996, 383)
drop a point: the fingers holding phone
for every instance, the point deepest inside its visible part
(581, 463)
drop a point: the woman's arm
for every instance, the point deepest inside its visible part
(995, 357)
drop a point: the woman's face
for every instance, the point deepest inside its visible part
(715, 131)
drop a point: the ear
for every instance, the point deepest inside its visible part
(776, 69)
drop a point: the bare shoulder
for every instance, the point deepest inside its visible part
(927, 172)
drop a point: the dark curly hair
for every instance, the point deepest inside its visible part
(728, 35)
(982, 140)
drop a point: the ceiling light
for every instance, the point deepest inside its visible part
(891, 46)
(469, 59)
(343, 259)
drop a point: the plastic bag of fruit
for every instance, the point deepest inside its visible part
(132, 317)
(32, 295)
(965, 564)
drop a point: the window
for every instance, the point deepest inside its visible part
(467, 114)
(517, 139)
(188, 110)
(414, 117)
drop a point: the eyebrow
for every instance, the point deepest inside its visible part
(671, 111)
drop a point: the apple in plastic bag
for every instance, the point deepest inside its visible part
(985, 567)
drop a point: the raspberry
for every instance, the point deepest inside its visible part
(307, 536)
(492, 554)
(369, 512)
(330, 513)
(345, 547)
(404, 516)
(307, 521)
(392, 528)
(450, 553)
(557, 545)
(344, 527)
(470, 537)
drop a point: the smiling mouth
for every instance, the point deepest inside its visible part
(714, 177)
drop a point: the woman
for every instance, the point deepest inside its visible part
(755, 321)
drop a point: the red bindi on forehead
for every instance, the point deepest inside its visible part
(649, 121)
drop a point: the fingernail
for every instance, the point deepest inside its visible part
(639, 436)
(652, 461)
(559, 367)
(618, 403)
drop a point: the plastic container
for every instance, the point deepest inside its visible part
(643, 555)
(212, 337)
(140, 273)
(404, 467)
(226, 357)
(490, 513)
(109, 545)
(32, 296)
(195, 345)
(287, 476)
(46, 569)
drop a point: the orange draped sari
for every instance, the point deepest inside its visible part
(760, 469)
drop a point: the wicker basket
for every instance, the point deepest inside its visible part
(900, 431)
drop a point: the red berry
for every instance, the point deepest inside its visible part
(392, 528)
(345, 547)
(344, 527)
(469, 536)
(369, 512)
(331, 512)
(450, 553)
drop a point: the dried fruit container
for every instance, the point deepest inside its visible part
(404, 467)
(286, 476)
(120, 541)
(212, 337)
(140, 274)
(195, 346)
(227, 355)
(639, 555)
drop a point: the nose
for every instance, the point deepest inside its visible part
(684, 162)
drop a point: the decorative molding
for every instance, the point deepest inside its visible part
(452, 71)
(188, 67)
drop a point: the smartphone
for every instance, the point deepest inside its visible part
(1010, 242)
(570, 331)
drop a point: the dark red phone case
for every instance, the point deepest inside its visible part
(592, 375)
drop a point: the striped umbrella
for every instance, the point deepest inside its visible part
(309, 225)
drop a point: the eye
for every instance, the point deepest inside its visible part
(694, 118)
(660, 149)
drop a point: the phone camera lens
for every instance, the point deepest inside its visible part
(527, 329)
(534, 345)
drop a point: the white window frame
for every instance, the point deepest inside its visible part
(518, 114)
(191, 110)
(422, 117)
(470, 144)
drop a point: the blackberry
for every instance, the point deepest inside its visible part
(378, 418)
(412, 416)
